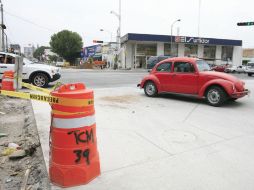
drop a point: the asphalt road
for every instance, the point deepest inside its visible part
(111, 78)
(104, 78)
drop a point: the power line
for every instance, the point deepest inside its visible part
(28, 21)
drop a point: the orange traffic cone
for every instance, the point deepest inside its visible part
(7, 81)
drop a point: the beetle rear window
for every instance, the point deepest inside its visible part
(203, 66)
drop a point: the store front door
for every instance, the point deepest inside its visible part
(140, 62)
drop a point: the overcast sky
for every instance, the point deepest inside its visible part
(33, 21)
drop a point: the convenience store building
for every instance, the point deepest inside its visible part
(137, 48)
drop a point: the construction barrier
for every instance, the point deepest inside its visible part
(74, 158)
(7, 81)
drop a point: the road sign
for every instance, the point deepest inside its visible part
(245, 23)
(97, 41)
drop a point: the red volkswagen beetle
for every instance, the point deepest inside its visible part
(192, 76)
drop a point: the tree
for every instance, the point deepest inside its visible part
(53, 58)
(67, 44)
(39, 52)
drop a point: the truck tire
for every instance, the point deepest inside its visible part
(216, 96)
(150, 89)
(40, 80)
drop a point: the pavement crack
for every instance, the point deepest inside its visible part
(189, 114)
(154, 144)
(136, 164)
(201, 129)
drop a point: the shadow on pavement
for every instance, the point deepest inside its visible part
(191, 99)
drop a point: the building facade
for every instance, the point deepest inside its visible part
(248, 55)
(137, 48)
(15, 48)
(28, 51)
(109, 53)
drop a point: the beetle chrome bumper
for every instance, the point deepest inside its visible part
(240, 94)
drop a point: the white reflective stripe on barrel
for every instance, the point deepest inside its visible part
(7, 79)
(73, 122)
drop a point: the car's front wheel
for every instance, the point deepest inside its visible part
(150, 89)
(216, 96)
(40, 80)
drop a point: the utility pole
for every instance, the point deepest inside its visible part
(2, 26)
(6, 43)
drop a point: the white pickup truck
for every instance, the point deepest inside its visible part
(37, 74)
(250, 68)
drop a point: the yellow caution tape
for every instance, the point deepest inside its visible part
(32, 87)
(49, 99)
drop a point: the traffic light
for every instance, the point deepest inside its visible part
(245, 23)
(97, 41)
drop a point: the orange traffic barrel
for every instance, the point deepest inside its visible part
(7, 81)
(74, 158)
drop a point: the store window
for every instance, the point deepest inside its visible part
(209, 52)
(191, 50)
(167, 49)
(227, 53)
(147, 49)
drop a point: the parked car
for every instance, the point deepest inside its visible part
(230, 69)
(241, 69)
(59, 64)
(250, 68)
(192, 76)
(220, 68)
(37, 74)
(153, 60)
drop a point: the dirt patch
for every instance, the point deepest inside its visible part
(126, 99)
(18, 123)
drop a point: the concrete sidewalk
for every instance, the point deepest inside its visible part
(167, 142)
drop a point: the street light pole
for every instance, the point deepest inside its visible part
(120, 19)
(171, 43)
(119, 27)
(199, 6)
(118, 15)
